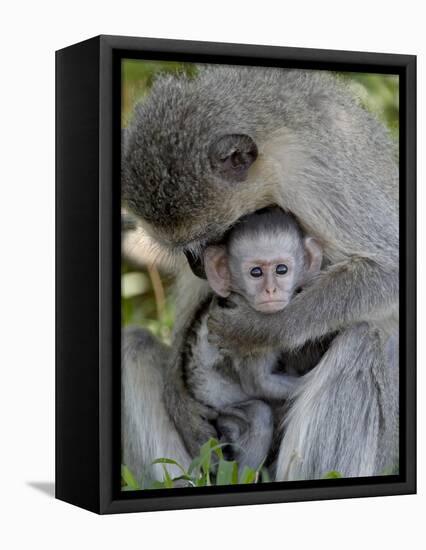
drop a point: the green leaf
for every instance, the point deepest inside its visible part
(205, 454)
(201, 482)
(169, 461)
(248, 475)
(227, 473)
(205, 459)
(333, 474)
(129, 478)
(157, 485)
(186, 478)
(217, 447)
(168, 482)
(194, 465)
(266, 478)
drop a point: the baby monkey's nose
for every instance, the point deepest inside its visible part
(271, 290)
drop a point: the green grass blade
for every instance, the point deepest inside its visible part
(170, 461)
(227, 473)
(266, 478)
(248, 475)
(168, 482)
(129, 479)
(332, 474)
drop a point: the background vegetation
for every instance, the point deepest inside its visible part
(146, 299)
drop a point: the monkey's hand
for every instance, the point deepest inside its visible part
(233, 326)
(240, 329)
(262, 385)
(193, 421)
(248, 428)
(345, 293)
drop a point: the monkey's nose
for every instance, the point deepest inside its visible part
(270, 290)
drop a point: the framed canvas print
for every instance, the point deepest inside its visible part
(235, 274)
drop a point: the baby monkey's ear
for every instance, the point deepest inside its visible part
(217, 270)
(313, 256)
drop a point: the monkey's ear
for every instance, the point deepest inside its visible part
(217, 271)
(313, 255)
(232, 155)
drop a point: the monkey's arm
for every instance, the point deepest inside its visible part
(191, 417)
(258, 380)
(346, 293)
(273, 386)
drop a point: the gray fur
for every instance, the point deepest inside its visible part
(228, 381)
(352, 368)
(249, 426)
(233, 386)
(332, 165)
(271, 222)
(148, 432)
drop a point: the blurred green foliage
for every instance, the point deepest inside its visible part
(143, 304)
(379, 94)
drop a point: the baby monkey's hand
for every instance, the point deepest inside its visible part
(231, 324)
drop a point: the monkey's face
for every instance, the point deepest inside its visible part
(187, 180)
(186, 204)
(266, 269)
(268, 283)
(266, 272)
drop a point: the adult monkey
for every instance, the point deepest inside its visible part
(203, 152)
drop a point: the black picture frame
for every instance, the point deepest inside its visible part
(88, 274)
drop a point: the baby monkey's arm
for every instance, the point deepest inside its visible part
(258, 380)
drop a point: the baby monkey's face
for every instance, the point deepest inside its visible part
(266, 267)
(266, 273)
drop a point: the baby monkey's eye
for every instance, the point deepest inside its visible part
(256, 272)
(281, 269)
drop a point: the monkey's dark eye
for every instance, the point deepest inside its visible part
(256, 272)
(281, 269)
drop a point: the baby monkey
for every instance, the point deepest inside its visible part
(266, 259)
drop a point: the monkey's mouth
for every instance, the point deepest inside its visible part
(196, 263)
(271, 306)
